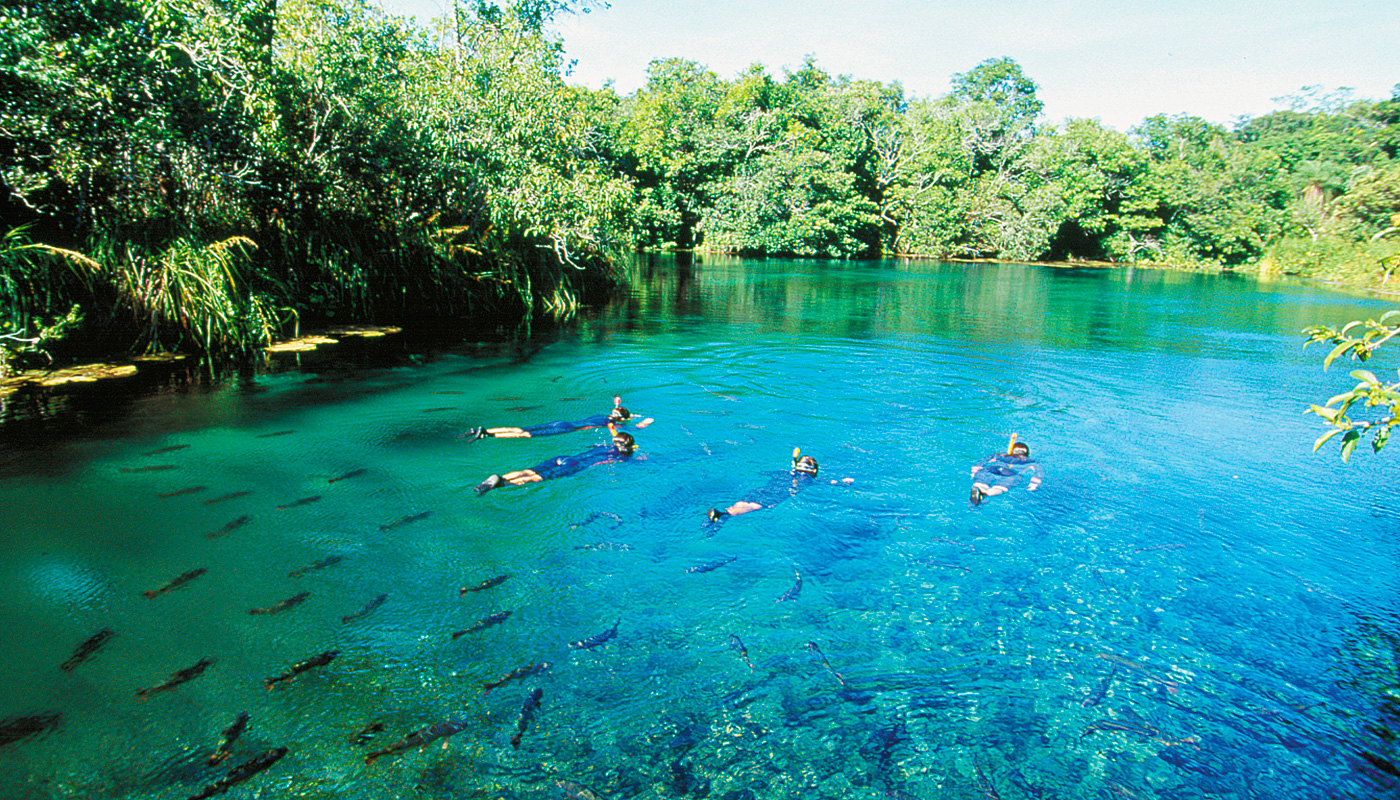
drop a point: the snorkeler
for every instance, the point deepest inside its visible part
(999, 472)
(621, 449)
(618, 416)
(779, 488)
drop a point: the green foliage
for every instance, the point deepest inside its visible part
(1375, 399)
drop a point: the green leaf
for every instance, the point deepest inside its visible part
(1336, 351)
(1349, 444)
(1364, 375)
(1394, 312)
(1321, 440)
(1382, 436)
(1329, 414)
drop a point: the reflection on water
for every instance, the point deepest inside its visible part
(1192, 605)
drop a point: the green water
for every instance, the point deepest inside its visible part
(1232, 588)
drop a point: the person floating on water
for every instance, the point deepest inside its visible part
(618, 416)
(999, 472)
(779, 488)
(620, 449)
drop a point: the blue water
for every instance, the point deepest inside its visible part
(1229, 597)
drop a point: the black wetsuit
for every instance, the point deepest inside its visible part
(779, 488)
(560, 466)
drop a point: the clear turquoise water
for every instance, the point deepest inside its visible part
(1244, 588)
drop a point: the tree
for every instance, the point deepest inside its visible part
(1378, 400)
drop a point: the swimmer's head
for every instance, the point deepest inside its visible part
(1021, 449)
(619, 414)
(623, 441)
(806, 465)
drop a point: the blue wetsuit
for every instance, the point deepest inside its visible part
(560, 466)
(1006, 470)
(779, 488)
(564, 426)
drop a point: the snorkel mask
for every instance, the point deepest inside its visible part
(619, 414)
(622, 440)
(805, 464)
(1018, 448)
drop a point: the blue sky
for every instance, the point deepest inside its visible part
(1115, 60)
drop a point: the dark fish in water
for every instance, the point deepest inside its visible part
(818, 652)
(229, 496)
(486, 584)
(328, 561)
(152, 468)
(1019, 781)
(16, 728)
(597, 638)
(712, 565)
(231, 526)
(1098, 576)
(178, 492)
(1138, 728)
(494, 619)
(956, 543)
(522, 409)
(988, 790)
(186, 674)
(87, 648)
(574, 790)
(370, 606)
(172, 448)
(519, 673)
(527, 713)
(1141, 669)
(1096, 696)
(450, 391)
(791, 594)
(363, 735)
(1174, 546)
(943, 564)
(419, 738)
(296, 669)
(175, 583)
(737, 645)
(227, 738)
(354, 473)
(291, 602)
(275, 433)
(299, 502)
(437, 409)
(404, 520)
(241, 773)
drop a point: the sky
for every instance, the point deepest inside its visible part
(1118, 61)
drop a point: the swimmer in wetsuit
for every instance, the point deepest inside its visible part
(779, 488)
(998, 473)
(618, 416)
(620, 449)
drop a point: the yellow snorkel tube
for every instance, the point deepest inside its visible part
(1011, 445)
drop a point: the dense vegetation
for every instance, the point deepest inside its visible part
(200, 174)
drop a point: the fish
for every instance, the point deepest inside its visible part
(227, 497)
(449, 391)
(1174, 546)
(1098, 576)
(181, 676)
(230, 526)
(494, 619)
(522, 409)
(227, 738)
(241, 773)
(151, 468)
(282, 605)
(819, 654)
(1019, 781)
(1169, 685)
(437, 409)
(328, 561)
(484, 585)
(275, 433)
(736, 644)
(370, 606)
(1098, 694)
(363, 735)
(87, 648)
(299, 502)
(527, 713)
(1138, 728)
(988, 790)
(956, 543)
(419, 738)
(405, 520)
(519, 673)
(711, 565)
(175, 583)
(178, 492)
(791, 594)
(172, 448)
(943, 564)
(574, 790)
(354, 473)
(296, 669)
(14, 729)
(597, 638)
